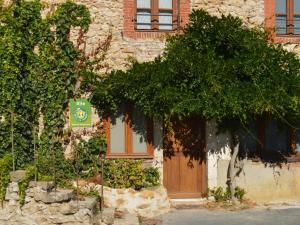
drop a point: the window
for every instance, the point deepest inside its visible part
(156, 15)
(151, 19)
(248, 139)
(129, 134)
(297, 141)
(276, 137)
(287, 17)
(269, 138)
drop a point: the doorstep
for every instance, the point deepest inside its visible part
(189, 202)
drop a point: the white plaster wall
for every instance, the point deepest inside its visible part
(265, 182)
(218, 148)
(158, 148)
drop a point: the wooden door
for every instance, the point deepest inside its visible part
(185, 159)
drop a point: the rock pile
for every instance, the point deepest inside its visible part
(45, 206)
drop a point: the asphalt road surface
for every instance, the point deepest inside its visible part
(287, 216)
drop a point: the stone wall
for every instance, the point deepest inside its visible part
(108, 16)
(250, 11)
(149, 202)
(45, 206)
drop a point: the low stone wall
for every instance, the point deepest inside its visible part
(146, 203)
(44, 206)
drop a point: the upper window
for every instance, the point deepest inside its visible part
(288, 17)
(156, 15)
(129, 134)
(153, 18)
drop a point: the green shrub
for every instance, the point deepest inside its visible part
(151, 177)
(86, 159)
(128, 173)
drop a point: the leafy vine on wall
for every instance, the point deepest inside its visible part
(41, 68)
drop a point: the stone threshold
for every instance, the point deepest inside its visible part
(189, 202)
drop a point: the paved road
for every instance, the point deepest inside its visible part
(289, 216)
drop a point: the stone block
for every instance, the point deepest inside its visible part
(11, 196)
(30, 192)
(88, 203)
(83, 215)
(108, 215)
(128, 219)
(68, 208)
(147, 194)
(18, 175)
(60, 195)
(13, 187)
(28, 199)
(62, 219)
(44, 185)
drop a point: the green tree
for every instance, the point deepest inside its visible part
(217, 68)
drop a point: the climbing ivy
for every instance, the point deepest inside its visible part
(23, 184)
(43, 63)
(39, 67)
(5, 168)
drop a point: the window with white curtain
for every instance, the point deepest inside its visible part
(156, 15)
(129, 134)
(288, 17)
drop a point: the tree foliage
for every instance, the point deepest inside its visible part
(216, 68)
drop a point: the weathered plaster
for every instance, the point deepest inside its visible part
(264, 182)
(158, 148)
(217, 146)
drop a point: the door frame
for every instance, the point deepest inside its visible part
(204, 175)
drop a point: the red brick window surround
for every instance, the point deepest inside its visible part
(282, 19)
(154, 18)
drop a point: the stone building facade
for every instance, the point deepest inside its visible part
(112, 16)
(118, 18)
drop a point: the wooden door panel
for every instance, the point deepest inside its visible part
(188, 169)
(172, 174)
(184, 159)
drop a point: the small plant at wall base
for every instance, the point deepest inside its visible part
(221, 195)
